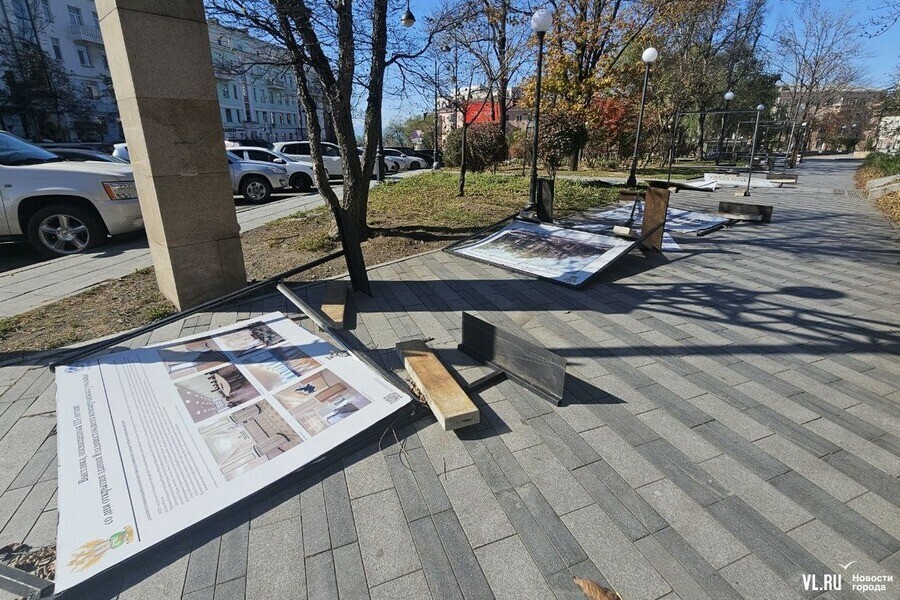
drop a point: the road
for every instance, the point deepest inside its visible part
(27, 281)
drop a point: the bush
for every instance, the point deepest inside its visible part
(877, 165)
(561, 135)
(486, 147)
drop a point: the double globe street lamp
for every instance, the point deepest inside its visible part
(649, 56)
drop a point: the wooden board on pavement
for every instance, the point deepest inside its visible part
(334, 302)
(447, 400)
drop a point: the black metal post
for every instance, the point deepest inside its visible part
(436, 162)
(672, 146)
(752, 153)
(379, 155)
(722, 133)
(532, 192)
(632, 174)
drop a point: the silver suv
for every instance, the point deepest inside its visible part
(255, 180)
(63, 207)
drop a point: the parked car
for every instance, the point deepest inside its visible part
(427, 156)
(300, 173)
(255, 180)
(390, 165)
(63, 207)
(81, 155)
(331, 155)
(408, 163)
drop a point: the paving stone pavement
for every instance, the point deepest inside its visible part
(731, 424)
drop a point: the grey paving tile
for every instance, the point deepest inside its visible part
(384, 539)
(202, 565)
(756, 581)
(627, 462)
(337, 506)
(435, 564)
(551, 476)
(321, 581)
(233, 552)
(366, 473)
(511, 572)
(314, 519)
(624, 567)
(865, 535)
(412, 585)
(234, 589)
(478, 511)
(275, 565)
(466, 568)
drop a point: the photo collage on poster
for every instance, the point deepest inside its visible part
(239, 387)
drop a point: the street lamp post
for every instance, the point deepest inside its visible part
(729, 96)
(436, 162)
(759, 109)
(540, 24)
(649, 56)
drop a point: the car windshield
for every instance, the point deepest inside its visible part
(15, 152)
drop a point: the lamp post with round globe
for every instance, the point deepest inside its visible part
(541, 21)
(649, 56)
(729, 96)
(759, 109)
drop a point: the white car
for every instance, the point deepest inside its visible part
(391, 166)
(408, 163)
(120, 151)
(331, 155)
(63, 207)
(300, 173)
(255, 180)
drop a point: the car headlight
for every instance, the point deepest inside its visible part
(277, 170)
(120, 190)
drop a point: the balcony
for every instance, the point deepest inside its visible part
(86, 33)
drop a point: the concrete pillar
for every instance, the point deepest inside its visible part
(161, 65)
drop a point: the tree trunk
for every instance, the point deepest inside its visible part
(503, 80)
(702, 123)
(573, 160)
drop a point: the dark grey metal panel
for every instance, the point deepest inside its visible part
(537, 368)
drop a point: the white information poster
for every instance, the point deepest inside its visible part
(156, 439)
(563, 255)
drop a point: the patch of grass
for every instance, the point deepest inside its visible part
(877, 165)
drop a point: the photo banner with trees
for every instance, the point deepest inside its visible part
(156, 439)
(560, 255)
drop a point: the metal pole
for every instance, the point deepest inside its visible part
(379, 154)
(672, 147)
(722, 133)
(532, 193)
(632, 178)
(752, 153)
(436, 163)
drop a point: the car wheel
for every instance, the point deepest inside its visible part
(415, 165)
(301, 182)
(60, 229)
(256, 189)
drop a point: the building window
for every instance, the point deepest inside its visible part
(96, 20)
(234, 89)
(254, 94)
(225, 92)
(57, 51)
(228, 117)
(92, 91)
(84, 57)
(45, 4)
(105, 61)
(257, 117)
(75, 16)
(281, 118)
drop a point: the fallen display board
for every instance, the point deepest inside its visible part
(154, 440)
(677, 221)
(740, 180)
(561, 255)
(700, 185)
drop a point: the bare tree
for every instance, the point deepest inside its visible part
(344, 46)
(815, 53)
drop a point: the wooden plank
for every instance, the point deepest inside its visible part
(535, 367)
(746, 212)
(334, 302)
(447, 400)
(655, 207)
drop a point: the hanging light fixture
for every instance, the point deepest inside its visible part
(408, 19)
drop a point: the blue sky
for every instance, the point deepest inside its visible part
(882, 52)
